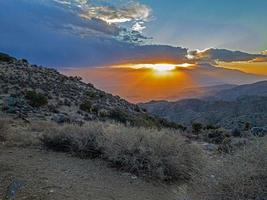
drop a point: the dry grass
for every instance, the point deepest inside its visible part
(17, 133)
(3, 129)
(157, 154)
(241, 176)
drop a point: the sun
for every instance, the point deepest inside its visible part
(157, 67)
(162, 67)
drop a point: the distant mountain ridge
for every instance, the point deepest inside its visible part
(230, 108)
(255, 89)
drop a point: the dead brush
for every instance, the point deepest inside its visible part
(157, 154)
(4, 124)
(240, 176)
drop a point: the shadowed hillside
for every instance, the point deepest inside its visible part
(34, 92)
(230, 108)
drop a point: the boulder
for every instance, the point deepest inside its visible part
(259, 131)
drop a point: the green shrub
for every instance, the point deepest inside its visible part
(247, 126)
(119, 116)
(210, 126)
(5, 57)
(36, 99)
(216, 136)
(86, 106)
(197, 127)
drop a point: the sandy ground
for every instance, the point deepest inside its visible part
(57, 176)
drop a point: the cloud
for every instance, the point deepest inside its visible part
(132, 11)
(65, 39)
(264, 52)
(129, 18)
(152, 54)
(213, 55)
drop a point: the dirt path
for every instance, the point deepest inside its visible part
(57, 176)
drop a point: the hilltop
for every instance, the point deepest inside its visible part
(35, 92)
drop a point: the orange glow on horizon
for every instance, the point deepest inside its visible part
(259, 68)
(139, 83)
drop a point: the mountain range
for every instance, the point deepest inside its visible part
(230, 108)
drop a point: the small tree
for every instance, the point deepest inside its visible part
(86, 106)
(197, 127)
(247, 126)
(36, 99)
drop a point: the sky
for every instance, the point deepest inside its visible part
(200, 24)
(92, 37)
(98, 32)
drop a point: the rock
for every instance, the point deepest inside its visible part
(13, 188)
(210, 147)
(259, 131)
(60, 119)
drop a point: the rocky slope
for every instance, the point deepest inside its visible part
(30, 91)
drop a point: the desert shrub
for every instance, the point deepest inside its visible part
(173, 125)
(226, 145)
(36, 99)
(5, 58)
(216, 136)
(210, 126)
(17, 133)
(236, 133)
(59, 142)
(158, 154)
(119, 116)
(197, 127)
(241, 176)
(91, 94)
(247, 126)
(3, 129)
(86, 106)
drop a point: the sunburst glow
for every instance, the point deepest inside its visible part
(161, 67)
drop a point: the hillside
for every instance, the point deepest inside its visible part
(35, 92)
(258, 89)
(230, 108)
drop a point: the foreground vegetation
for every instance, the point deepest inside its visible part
(157, 154)
(162, 155)
(241, 176)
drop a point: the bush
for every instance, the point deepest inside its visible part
(86, 106)
(242, 176)
(36, 99)
(216, 136)
(119, 116)
(3, 130)
(197, 127)
(162, 155)
(5, 57)
(173, 125)
(210, 126)
(236, 133)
